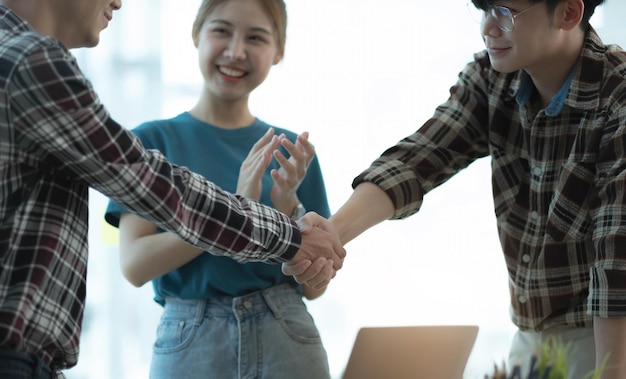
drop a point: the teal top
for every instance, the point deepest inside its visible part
(217, 154)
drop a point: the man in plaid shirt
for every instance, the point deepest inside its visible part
(56, 141)
(546, 101)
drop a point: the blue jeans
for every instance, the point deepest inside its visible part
(265, 334)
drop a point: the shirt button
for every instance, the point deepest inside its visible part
(537, 171)
(526, 258)
(534, 215)
(247, 304)
(522, 299)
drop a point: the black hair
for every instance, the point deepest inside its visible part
(590, 7)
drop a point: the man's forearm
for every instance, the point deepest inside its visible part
(369, 205)
(610, 337)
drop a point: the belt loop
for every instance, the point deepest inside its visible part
(267, 296)
(200, 309)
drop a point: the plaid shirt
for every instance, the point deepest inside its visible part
(56, 141)
(558, 176)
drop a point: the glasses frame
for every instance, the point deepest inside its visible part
(499, 11)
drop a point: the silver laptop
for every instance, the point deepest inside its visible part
(411, 352)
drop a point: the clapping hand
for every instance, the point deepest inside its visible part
(289, 176)
(249, 183)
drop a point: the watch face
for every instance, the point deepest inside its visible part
(298, 211)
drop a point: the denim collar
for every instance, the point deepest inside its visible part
(556, 103)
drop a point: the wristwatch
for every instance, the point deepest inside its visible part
(298, 211)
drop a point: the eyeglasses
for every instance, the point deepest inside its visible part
(505, 19)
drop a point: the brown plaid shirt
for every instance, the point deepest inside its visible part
(56, 141)
(558, 176)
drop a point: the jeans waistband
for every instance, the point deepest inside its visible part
(272, 299)
(26, 364)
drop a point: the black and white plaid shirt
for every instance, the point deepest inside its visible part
(559, 181)
(56, 141)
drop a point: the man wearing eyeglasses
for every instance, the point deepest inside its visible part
(546, 101)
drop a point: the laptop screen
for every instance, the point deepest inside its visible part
(411, 352)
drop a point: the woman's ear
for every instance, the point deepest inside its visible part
(278, 58)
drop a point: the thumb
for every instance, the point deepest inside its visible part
(296, 268)
(304, 226)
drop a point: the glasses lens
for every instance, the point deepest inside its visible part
(504, 17)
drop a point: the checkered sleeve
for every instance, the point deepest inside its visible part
(607, 290)
(60, 117)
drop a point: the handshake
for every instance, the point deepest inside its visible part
(321, 253)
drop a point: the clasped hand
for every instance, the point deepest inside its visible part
(320, 254)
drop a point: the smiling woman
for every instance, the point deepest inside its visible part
(359, 75)
(232, 304)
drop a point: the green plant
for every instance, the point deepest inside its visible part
(550, 363)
